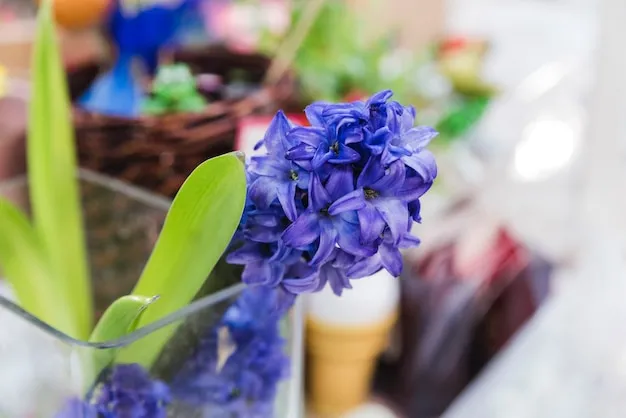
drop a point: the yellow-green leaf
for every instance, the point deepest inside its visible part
(52, 170)
(198, 228)
(25, 267)
(120, 319)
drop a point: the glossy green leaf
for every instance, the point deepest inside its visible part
(120, 319)
(24, 266)
(52, 178)
(197, 230)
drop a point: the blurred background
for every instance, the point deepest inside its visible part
(512, 306)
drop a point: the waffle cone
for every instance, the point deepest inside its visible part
(341, 362)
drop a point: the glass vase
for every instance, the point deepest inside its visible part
(199, 373)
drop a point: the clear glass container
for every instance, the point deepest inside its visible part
(42, 369)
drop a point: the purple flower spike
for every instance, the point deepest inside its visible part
(335, 201)
(131, 392)
(245, 383)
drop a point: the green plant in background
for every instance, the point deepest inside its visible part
(45, 259)
(336, 57)
(174, 90)
(337, 60)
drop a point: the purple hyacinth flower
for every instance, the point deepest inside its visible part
(334, 272)
(383, 196)
(277, 177)
(408, 142)
(387, 257)
(131, 392)
(317, 223)
(245, 384)
(379, 108)
(254, 309)
(265, 225)
(333, 128)
(301, 278)
(265, 264)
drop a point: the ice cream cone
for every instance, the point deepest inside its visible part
(341, 363)
(345, 335)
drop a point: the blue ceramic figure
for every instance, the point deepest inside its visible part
(138, 32)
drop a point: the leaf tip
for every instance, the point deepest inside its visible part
(241, 156)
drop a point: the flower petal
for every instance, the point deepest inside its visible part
(415, 208)
(392, 180)
(378, 140)
(380, 97)
(302, 152)
(342, 259)
(268, 166)
(340, 182)
(371, 224)
(351, 201)
(263, 192)
(419, 137)
(265, 218)
(314, 112)
(365, 268)
(258, 233)
(322, 155)
(305, 280)
(275, 137)
(328, 238)
(349, 240)
(423, 163)
(303, 231)
(312, 136)
(409, 241)
(345, 155)
(391, 259)
(413, 188)
(263, 273)
(336, 277)
(395, 214)
(351, 133)
(286, 192)
(318, 196)
(247, 253)
(372, 172)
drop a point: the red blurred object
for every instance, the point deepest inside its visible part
(453, 44)
(455, 317)
(355, 96)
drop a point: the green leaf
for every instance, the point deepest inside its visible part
(52, 178)
(120, 319)
(25, 267)
(198, 228)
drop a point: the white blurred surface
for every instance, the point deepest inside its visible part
(373, 299)
(570, 359)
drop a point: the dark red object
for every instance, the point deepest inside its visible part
(453, 322)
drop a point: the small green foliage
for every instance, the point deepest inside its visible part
(174, 91)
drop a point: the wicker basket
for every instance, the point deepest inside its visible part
(158, 152)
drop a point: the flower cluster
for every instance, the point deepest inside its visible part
(128, 391)
(236, 368)
(334, 201)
